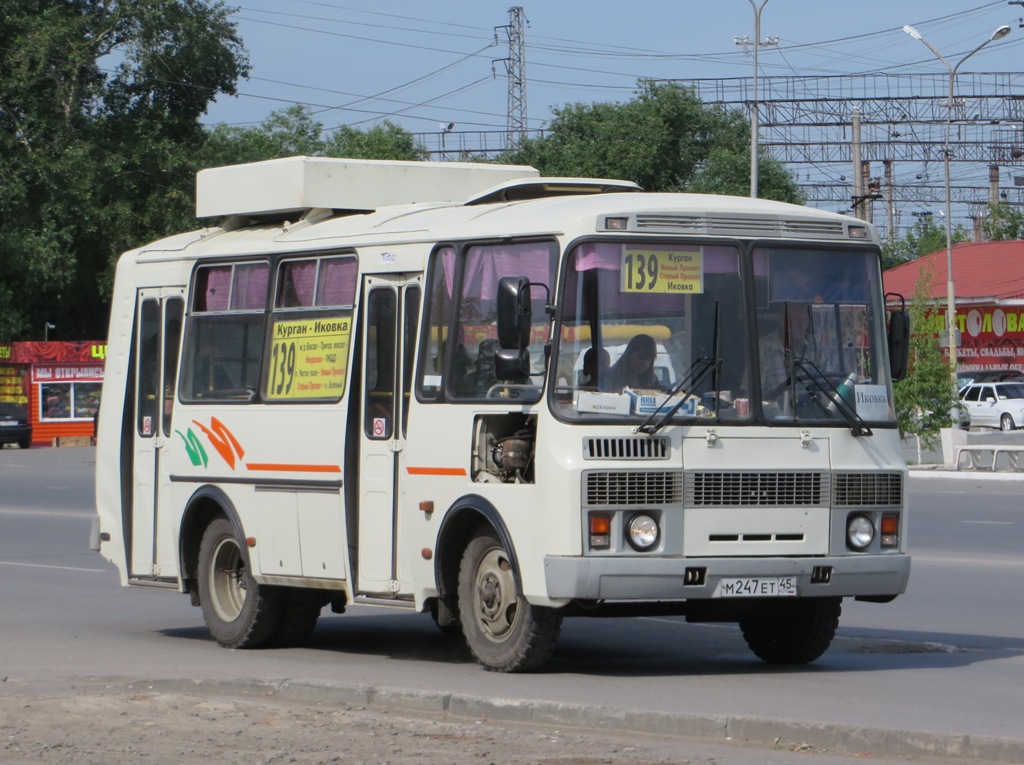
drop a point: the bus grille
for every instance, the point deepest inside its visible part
(867, 489)
(774, 489)
(623, 488)
(645, 448)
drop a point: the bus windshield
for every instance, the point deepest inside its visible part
(646, 328)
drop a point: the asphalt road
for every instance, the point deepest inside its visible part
(939, 671)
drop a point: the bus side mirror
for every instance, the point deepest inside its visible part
(515, 320)
(899, 343)
(515, 312)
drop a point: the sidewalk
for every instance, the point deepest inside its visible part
(932, 462)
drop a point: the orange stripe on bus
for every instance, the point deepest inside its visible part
(436, 471)
(294, 468)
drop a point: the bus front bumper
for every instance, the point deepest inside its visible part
(635, 578)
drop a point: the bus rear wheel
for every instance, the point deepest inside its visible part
(793, 632)
(503, 631)
(238, 612)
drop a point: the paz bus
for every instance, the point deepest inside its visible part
(357, 385)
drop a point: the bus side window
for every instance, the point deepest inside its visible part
(225, 333)
(435, 341)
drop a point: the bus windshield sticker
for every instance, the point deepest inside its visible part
(662, 271)
(308, 358)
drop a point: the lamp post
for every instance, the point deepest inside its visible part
(951, 322)
(753, 111)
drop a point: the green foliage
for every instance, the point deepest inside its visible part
(100, 141)
(1003, 222)
(925, 398)
(295, 132)
(665, 139)
(93, 161)
(926, 236)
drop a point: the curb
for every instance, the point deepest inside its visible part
(720, 729)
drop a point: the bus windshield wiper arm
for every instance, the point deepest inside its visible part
(814, 375)
(694, 376)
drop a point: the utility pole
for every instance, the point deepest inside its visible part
(754, 106)
(890, 207)
(515, 66)
(858, 176)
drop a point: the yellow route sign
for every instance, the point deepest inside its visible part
(309, 359)
(662, 271)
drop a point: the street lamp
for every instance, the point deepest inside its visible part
(46, 330)
(951, 322)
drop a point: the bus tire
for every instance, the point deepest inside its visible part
(796, 632)
(301, 612)
(502, 630)
(238, 612)
(445, 618)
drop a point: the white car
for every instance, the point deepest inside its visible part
(994, 405)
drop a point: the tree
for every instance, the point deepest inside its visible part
(294, 131)
(665, 139)
(924, 237)
(94, 161)
(926, 397)
(1003, 222)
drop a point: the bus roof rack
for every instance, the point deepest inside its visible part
(295, 184)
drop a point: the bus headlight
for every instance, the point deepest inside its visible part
(642, 532)
(860, 531)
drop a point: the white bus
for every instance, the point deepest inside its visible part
(358, 386)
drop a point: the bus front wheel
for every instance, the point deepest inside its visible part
(504, 632)
(792, 632)
(238, 612)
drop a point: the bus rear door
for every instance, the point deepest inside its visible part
(158, 324)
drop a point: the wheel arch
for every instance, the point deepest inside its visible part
(205, 504)
(466, 517)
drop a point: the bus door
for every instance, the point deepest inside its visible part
(158, 324)
(390, 317)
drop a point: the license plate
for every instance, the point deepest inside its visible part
(757, 587)
(8, 423)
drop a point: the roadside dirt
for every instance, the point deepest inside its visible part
(125, 728)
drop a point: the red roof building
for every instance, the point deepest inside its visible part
(988, 281)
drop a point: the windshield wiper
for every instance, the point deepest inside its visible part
(694, 376)
(846, 410)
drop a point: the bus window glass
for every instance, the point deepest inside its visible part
(638, 320)
(249, 287)
(295, 284)
(336, 285)
(149, 367)
(224, 336)
(173, 315)
(440, 311)
(379, 406)
(821, 333)
(311, 327)
(476, 332)
(411, 314)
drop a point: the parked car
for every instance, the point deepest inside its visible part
(988, 375)
(15, 427)
(994, 405)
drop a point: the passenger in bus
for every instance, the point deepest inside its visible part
(635, 368)
(595, 365)
(790, 336)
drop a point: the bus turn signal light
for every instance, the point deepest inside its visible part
(890, 531)
(600, 532)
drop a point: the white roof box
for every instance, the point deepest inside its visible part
(301, 183)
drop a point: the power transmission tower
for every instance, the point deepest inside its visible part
(515, 66)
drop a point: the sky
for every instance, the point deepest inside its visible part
(423, 64)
